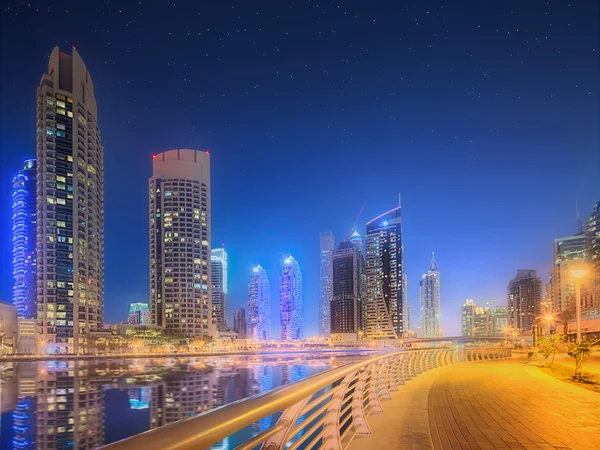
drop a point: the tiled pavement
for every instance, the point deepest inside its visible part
(486, 405)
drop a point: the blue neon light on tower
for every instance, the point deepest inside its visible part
(24, 240)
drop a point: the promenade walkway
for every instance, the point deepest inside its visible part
(496, 405)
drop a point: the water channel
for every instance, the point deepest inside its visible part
(86, 404)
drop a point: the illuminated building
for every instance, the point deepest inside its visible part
(239, 322)
(524, 300)
(568, 252)
(24, 241)
(218, 277)
(259, 305)
(476, 320)
(291, 298)
(180, 287)
(139, 314)
(409, 316)
(327, 241)
(385, 312)
(70, 206)
(348, 289)
(590, 288)
(430, 301)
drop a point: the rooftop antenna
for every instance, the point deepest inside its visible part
(399, 199)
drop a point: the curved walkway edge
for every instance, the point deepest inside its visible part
(493, 405)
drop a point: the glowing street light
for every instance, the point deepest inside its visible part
(578, 273)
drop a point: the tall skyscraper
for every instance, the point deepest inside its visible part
(348, 289)
(524, 300)
(325, 295)
(239, 322)
(259, 304)
(180, 288)
(70, 206)
(218, 276)
(430, 301)
(568, 252)
(291, 299)
(139, 314)
(385, 316)
(24, 241)
(409, 317)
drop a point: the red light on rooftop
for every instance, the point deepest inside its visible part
(153, 155)
(207, 152)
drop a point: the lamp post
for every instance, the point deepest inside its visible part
(578, 274)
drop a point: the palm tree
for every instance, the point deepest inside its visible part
(580, 351)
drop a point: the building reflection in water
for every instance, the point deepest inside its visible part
(61, 404)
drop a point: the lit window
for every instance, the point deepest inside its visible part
(60, 133)
(81, 119)
(50, 131)
(69, 99)
(60, 104)
(61, 224)
(62, 112)
(49, 101)
(60, 126)
(60, 96)
(70, 113)
(61, 201)
(70, 158)
(50, 200)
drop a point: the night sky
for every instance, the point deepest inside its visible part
(483, 114)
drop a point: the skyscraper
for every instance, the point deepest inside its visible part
(291, 298)
(259, 304)
(24, 241)
(327, 247)
(500, 320)
(180, 288)
(139, 314)
(568, 253)
(348, 289)
(430, 301)
(385, 316)
(218, 276)
(239, 322)
(590, 288)
(524, 300)
(70, 206)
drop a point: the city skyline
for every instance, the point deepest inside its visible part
(506, 129)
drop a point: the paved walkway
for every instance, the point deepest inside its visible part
(496, 405)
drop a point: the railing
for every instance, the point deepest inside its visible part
(326, 410)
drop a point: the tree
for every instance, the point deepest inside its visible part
(580, 351)
(549, 345)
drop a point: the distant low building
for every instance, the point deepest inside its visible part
(8, 328)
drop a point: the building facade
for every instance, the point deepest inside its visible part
(385, 312)
(430, 301)
(477, 321)
(327, 241)
(524, 301)
(349, 290)
(239, 323)
(24, 240)
(568, 252)
(218, 276)
(70, 206)
(9, 338)
(291, 300)
(139, 314)
(180, 266)
(590, 287)
(259, 305)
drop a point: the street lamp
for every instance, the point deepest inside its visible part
(578, 274)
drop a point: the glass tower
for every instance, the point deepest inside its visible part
(139, 314)
(70, 206)
(218, 277)
(385, 309)
(430, 301)
(348, 289)
(259, 305)
(24, 240)
(291, 297)
(180, 266)
(327, 241)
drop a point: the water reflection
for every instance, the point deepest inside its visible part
(85, 404)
